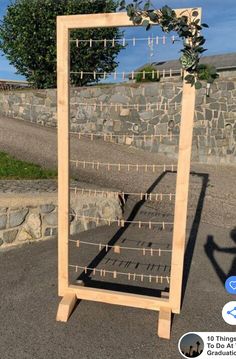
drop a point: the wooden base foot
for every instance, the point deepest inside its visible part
(66, 307)
(164, 323)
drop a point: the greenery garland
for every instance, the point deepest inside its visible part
(167, 19)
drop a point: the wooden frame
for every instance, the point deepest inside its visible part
(70, 293)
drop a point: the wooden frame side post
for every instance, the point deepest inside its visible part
(182, 189)
(63, 108)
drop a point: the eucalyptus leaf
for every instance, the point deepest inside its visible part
(198, 85)
(145, 23)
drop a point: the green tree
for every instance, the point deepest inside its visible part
(28, 39)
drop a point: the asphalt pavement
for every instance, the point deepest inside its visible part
(28, 274)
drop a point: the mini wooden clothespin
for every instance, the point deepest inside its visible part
(157, 279)
(150, 278)
(134, 41)
(76, 269)
(114, 274)
(106, 247)
(159, 252)
(123, 42)
(81, 75)
(115, 75)
(153, 168)
(150, 225)
(116, 249)
(151, 252)
(90, 42)
(94, 271)
(144, 75)
(77, 243)
(141, 277)
(85, 270)
(146, 168)
(77, 42)
(113, 42)
(132, 75)
(163, 225)
(157, 40)
(164, 40)
(94, 75)
(139, 224)
(100, 246)
(129, 276)
(105, 42)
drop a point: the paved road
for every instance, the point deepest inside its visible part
(29, 303)
(28, 275)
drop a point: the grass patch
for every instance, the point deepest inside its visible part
(11, 168)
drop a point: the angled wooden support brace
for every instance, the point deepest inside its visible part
(164, 323)
(66, 307)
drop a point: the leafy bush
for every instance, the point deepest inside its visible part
(148, 75)
(207, 73)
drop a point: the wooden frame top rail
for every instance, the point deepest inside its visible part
(86, 21)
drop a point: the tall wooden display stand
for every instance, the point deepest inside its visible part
(71, 293)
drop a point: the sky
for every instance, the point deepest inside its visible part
(219, 15)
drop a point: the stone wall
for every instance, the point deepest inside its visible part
(26, 217)
(214, 138)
